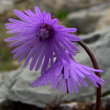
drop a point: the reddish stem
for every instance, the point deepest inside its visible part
(94, 62)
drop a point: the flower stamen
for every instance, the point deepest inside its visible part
(45, 31)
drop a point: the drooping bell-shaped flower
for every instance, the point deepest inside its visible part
(68, 77)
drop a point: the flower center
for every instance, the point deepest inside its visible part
(45, 31)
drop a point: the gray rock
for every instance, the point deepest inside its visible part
(100, 48)
(7, 82)
(5, 5)
(66, 5)
(91, 19)
(59, 5)
(68, 106)
(16, 85)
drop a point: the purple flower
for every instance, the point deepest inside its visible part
(39, 38)
(68, 76)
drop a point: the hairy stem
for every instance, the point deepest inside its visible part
(95, 65)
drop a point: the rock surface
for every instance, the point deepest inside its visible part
(99, 43)
(5, 5)
(66, 5)
(16, 84)
(50, 5)
(91, 19)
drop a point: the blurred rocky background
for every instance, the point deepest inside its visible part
(92, 18)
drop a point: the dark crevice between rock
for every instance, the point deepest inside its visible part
(92, 39)
(106, 93)
(11, 105)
